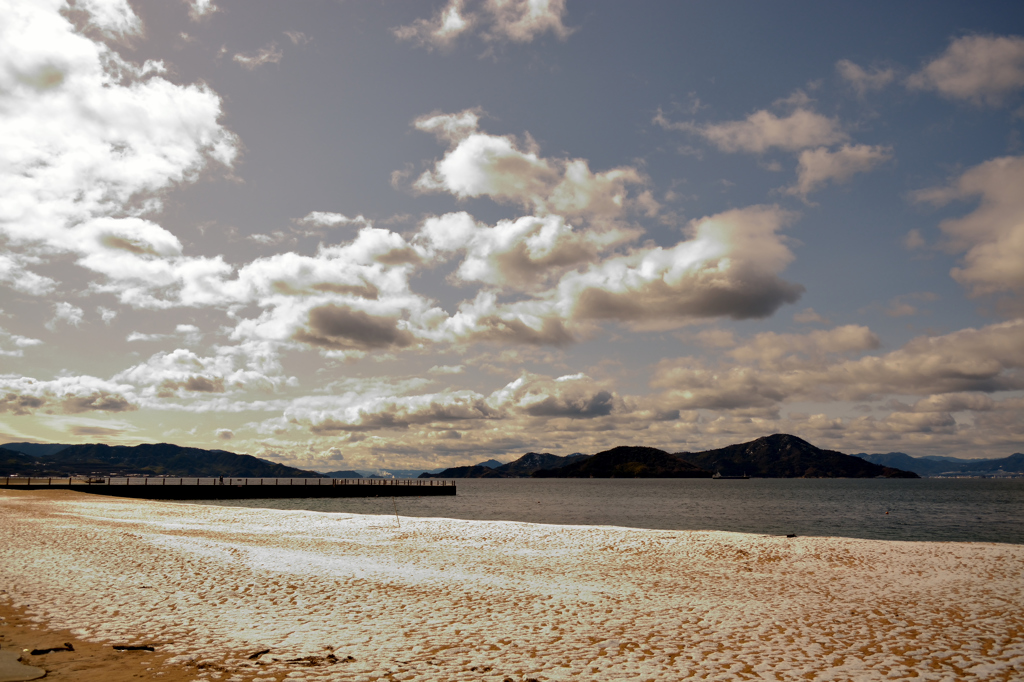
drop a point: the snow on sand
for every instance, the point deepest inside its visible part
(444, 599)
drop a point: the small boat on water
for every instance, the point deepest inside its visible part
(719, 476)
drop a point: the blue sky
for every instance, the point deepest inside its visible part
(398, 234)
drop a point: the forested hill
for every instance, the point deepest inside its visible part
(784, 456)
(155, 459)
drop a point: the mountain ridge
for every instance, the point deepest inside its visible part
(627, 461)
(927, 466)
(154, 459)
(782, 455)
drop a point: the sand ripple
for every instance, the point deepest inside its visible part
(443, 599)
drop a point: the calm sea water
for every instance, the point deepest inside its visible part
(963, 510)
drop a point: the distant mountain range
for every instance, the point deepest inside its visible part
(776, 456)
(627, 461)
(523, 467)
(154, 459)
(785, 456)
(347, 473)
(935, 466)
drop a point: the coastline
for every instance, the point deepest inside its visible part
(358, 597)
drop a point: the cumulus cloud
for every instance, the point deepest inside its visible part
(773, 369)
(200, 9)
(763, 130)
(182, 373)
(819, 166)
(91, 144)
(113, 18)
(341, 327)
(19, 343)
(517, 21)
(15, 274)
(573, 397)
(269, 54)
(70, 395)
(67, 313)
(356, 297)
(992, 236)
(399, 412)
(862, 80)
(728, 267)
(225, 434)
(525, 253)
(500, 167)
(983, 70)
(329, 219)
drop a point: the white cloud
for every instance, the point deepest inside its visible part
(574, 397)
(224, 434)
(981, 69)
(14, 273)
(525, 253)
(182, 373)
(114, 18)
(819, 166)
(763, 130)
(993, 234)
(70, 395)
(67, 313)
(863, 81)
(446, 369)
(441, 30)
(728, 267)
(517, 21)
(478, 164)
(91, 144)
(269, 54)
(521, 21)
(329, 219)
(773, 369)
(297, 37)
(200, 9)
(19, 342)
(391, 412)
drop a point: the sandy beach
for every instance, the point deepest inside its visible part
(349, 597)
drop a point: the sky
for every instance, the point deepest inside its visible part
(379, 235)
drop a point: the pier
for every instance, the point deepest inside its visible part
(165, 488)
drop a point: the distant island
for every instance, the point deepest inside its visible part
(149, 459)
(784, 456)
(776, 456)
(523, 467)
(627, 461)
(933, 466)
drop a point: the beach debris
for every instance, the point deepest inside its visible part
(312, 661)
(39, 652)
(133, 647)
(13, 670)
(791, 535)
(258, 654)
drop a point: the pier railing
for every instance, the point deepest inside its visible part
(11, 481)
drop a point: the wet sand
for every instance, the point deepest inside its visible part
(349, 597)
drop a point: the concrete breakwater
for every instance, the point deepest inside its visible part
(163, 488)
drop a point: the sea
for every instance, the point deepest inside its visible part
(927, 509)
